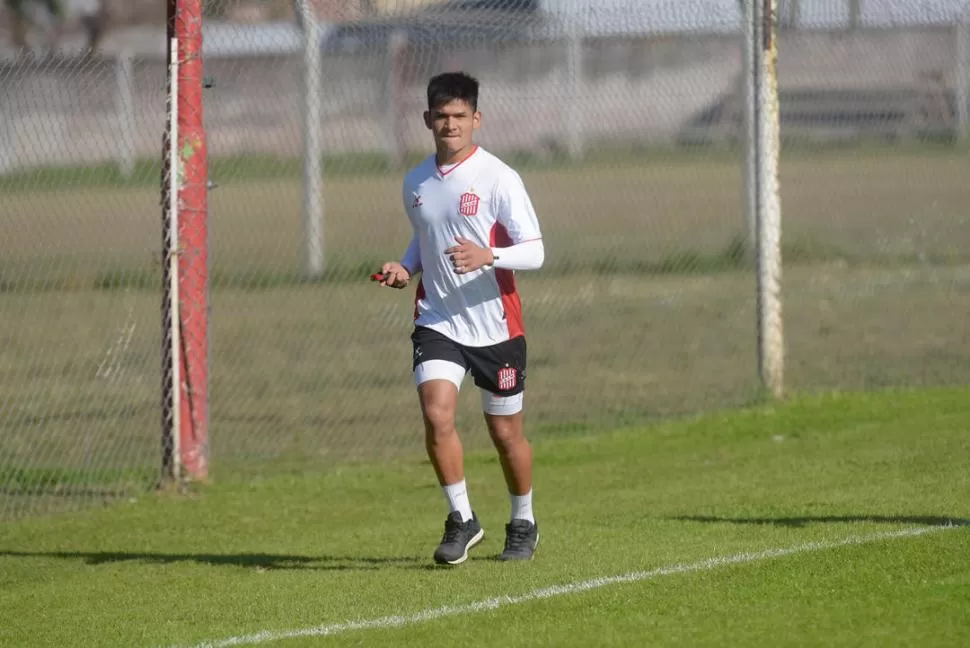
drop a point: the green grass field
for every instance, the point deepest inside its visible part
(832, 520)
(653, 213)
(643, 311)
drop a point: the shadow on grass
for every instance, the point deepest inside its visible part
(258, 561)
(795, 522)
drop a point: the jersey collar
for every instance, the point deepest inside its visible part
(443, 174)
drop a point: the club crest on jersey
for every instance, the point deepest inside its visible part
(506, 378)
(468, 204)
(417, 201)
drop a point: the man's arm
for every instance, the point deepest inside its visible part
(412, 257)
(522, 248)
(397, 274)
(519, 243)
(527, 255)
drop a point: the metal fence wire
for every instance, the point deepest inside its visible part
(626, 125)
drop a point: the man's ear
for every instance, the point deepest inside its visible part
(476, 120)
(427, 119)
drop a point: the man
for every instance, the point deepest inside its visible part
(49, 12)
(93, 18)
(474, 225)
(53, 16)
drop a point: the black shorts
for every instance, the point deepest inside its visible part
(499, 368)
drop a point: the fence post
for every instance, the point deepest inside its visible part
(963, 77)
(7, 158)
(750, 96)
(171, 338)
(193, 241)
(855, 14)
(393, 97)
(762, 192)
(312, 142)
(574, 79)
(186, 311)
(125, 108)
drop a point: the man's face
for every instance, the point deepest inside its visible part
(453, 125)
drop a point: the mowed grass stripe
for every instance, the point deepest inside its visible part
(887, 206)
(556, 591)
(913, 591)
(307, 546)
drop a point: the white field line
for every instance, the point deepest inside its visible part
(432, 614)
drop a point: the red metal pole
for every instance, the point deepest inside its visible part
(193, 243)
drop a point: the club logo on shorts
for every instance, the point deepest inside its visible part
(468, 205)
(506, 378)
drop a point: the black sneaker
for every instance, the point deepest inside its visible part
(521, 540)
(459, 537)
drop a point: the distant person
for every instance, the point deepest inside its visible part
(46, 14)
(93, 18)
(51, 16)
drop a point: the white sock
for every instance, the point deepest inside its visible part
(522, 507)
(457, 496)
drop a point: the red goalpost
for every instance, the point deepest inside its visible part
(185, 348)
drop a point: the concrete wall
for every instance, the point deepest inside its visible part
(635, 89)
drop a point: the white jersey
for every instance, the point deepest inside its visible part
(483, 200)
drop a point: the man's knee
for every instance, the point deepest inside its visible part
(506, 433)
(439, 404)
(439, 417)
(504, 417)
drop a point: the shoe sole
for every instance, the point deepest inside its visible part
(471, 543)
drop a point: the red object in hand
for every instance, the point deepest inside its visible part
(377, 276)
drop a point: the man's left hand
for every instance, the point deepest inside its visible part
(467, 257)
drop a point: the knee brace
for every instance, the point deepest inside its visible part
(502, 405)
(439, 370)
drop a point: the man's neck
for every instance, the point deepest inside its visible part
(448, 159)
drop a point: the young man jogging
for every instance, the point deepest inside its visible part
(474, 225)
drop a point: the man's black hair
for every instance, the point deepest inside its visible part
(450, 86)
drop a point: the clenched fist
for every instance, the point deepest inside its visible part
(467, 256)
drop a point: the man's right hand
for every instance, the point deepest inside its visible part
(395, 275)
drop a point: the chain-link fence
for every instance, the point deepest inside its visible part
(627, 128)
